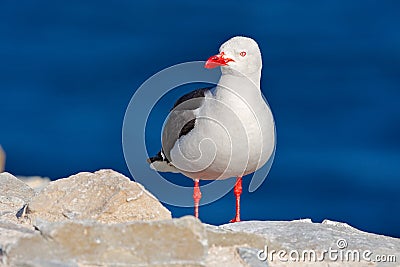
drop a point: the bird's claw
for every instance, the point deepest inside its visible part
(235, 220)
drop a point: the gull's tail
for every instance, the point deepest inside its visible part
(161, 164)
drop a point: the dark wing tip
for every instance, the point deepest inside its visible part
(159, 157)
(187, 127)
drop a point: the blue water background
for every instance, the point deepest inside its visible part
(331, 75)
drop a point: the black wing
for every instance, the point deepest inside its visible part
(180, 122)
(194, 94)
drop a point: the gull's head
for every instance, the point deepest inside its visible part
(239, 56)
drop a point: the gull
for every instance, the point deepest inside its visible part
(223, 131)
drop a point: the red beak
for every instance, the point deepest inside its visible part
(217, 60)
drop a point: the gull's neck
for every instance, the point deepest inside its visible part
(247, 87)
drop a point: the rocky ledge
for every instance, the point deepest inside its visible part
(104, 219)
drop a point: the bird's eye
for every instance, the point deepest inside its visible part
(242, 53)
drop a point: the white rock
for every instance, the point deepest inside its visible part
(104, 196)
(177, 242)
(14, 194)
(37, 183)
(319, 237)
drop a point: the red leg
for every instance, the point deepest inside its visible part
(196, 197)
(237, 191)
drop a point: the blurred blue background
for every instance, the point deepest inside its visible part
(331, 75)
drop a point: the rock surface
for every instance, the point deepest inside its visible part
(104, 219)
(37, 183)
(14, 194)
(300, 236)
(105, 196)
(178, 242)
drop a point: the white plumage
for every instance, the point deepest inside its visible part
(234, 131)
